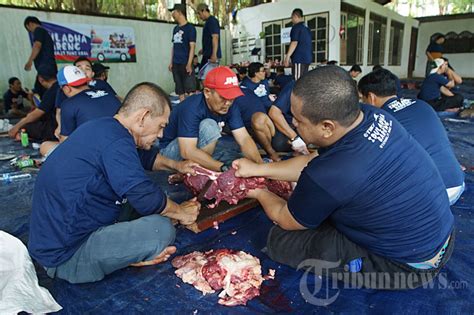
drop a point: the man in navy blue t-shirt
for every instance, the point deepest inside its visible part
(434, 50)
(42, 52)
(211, 45)
(420, 120)
(182, 54)
(196, 124)
(83, 104)
(263, 125)
(81, 188)
(41, 123)
(281, 79)
(435, 89)
(280, 113)
(300, 51)
(372, 202)
(258, 123)
(14, 97)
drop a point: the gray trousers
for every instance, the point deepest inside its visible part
(116, 246)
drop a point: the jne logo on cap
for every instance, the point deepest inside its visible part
(231, 80)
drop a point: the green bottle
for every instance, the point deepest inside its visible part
(24, 138)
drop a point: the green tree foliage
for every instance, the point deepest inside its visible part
(147, 9)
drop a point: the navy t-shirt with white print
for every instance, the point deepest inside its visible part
(379, 188)
(85, 106)
(94, 84)
(423, 124)
(182, 36)
(248, 104)
(261, 89)
(82, 185)
(185, 119)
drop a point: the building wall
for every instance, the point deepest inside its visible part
(153, 44)
(250, 24)
(462, 63)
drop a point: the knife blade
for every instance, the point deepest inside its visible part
(208, 184)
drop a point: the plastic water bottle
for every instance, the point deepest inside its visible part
(10, 177)
(24, 138)
(354, 265)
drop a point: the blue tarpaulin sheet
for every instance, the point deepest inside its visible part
(157, 289)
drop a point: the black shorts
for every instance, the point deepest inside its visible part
(298, 69)
(446, 102)
(184, 82)
(326, 251)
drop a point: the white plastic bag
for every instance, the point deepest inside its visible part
(205, 69)
(19, 288)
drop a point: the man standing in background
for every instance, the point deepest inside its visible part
(182, 54)
(300, 51)
(42, 52)
(211, 46)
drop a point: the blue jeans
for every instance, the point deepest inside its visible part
(209, 132)
(116, 246)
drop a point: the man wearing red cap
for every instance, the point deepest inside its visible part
(195, 124)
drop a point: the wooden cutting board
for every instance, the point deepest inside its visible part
(224, 211)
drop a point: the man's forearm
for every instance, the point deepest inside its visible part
(280, 122)
(192, 47)
(202, 158)
(163, 163)
(446, 91)
(271, 204)
(291, 49)
(215, 45)
(430, 57)
(172, 210)
(288, 170)
(250, 151)
(34, 52)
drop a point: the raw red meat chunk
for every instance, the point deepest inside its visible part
(226, 186)
(237, 273)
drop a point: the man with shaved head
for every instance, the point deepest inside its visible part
(82, 187)
(371, 209)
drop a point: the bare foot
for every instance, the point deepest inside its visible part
(162, 257)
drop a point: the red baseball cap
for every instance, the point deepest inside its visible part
(224, 81)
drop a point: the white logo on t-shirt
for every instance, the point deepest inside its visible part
(119, 203)
(260, 90)
(178, 37)
(97, 94)
(400, 104)
(379, 131)
(231, 81)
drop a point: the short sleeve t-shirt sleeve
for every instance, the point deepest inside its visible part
(283, 102)
(148, 157)
(68, 121)
(234, 118)
(309, 203)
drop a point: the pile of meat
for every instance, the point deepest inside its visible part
(226, 186)
(237, 273)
